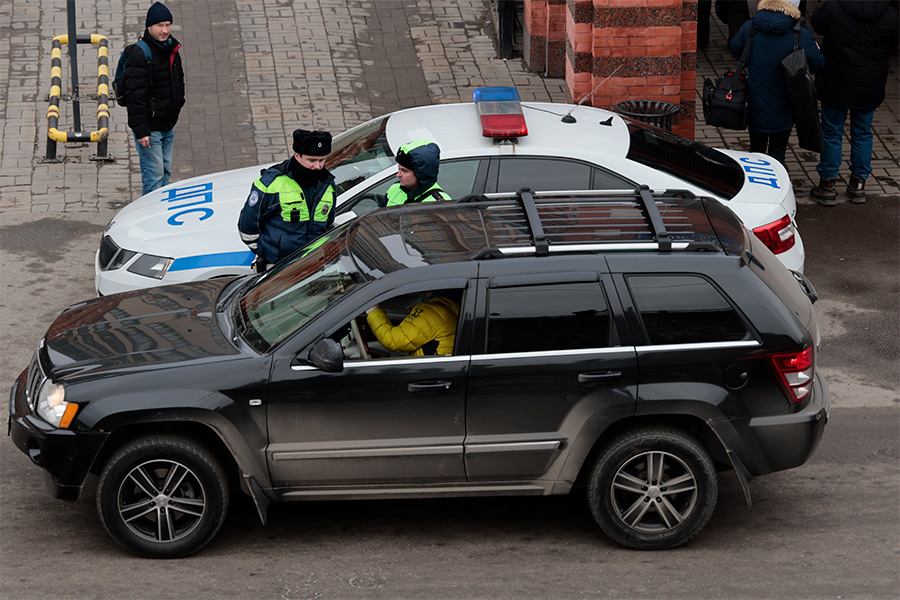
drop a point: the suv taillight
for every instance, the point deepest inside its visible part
(778, 236)
(795, 372)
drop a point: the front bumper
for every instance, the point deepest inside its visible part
(66, 456)
(778, 442)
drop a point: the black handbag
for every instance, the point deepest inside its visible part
(802, 95)
(726, 101)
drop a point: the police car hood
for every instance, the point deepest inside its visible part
(181, 217)
(140, 329)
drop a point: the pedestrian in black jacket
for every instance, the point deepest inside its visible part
(858, 39)
(154, 94)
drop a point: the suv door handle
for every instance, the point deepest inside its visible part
(428, 386)
(601, 376)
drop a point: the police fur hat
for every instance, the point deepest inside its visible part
(157, 14)
(312, 143)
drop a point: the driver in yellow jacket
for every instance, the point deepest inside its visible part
(429, 329)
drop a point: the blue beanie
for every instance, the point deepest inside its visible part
(157, 14)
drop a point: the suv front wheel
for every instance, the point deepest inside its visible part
(653, 489)
(162, 497)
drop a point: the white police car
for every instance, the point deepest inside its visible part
(187, 230)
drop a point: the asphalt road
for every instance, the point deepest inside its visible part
(829, 529)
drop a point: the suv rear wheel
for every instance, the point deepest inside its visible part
(162, 497)
(653, 489)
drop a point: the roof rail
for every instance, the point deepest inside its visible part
(643, 198)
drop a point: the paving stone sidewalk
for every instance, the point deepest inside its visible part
(256, 69)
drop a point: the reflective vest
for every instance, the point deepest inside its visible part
(397, 195)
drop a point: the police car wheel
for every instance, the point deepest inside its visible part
(162, 496)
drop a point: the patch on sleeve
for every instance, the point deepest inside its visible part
(254, 198)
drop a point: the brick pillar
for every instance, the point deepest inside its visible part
(556, 38)
(652, 43)
(534, 43)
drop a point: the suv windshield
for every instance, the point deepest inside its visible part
(359, 153)
(297, 291)
(688, 160)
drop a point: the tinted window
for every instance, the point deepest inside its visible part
(358, 154)
(684, 309)
(547, 317)
(685, 159)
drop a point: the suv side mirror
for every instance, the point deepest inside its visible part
(327, 356)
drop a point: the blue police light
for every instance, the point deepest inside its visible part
(500, 112)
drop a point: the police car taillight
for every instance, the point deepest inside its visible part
(500, 112)
(778, 235)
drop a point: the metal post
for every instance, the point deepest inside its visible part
(73, 59)
(507, 19)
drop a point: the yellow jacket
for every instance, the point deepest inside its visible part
(432, 320)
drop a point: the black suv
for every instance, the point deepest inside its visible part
(627, 343)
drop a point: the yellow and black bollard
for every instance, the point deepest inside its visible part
(101, 135)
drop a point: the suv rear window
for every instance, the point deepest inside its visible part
(684, 309)
(532, 318)
(688, 160)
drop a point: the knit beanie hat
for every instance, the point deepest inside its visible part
(312, 143)
(157, 14)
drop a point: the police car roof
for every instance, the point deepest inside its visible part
(458, 128)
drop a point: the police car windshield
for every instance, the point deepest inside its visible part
(298, 290)
(690, 161)
(359, 153)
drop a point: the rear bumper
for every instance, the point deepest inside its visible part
(778, 442)
(65, 456)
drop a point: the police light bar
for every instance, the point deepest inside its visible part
(500, 112)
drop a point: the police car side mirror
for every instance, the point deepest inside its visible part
(344, 218)
(327, 356)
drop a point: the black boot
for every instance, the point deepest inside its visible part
(856, 190)
(824, 193)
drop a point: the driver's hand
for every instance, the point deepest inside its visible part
(369, 310)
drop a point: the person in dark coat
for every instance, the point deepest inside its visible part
(858, 39)
(771, 120)
(155, 94)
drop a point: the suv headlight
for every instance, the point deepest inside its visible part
(51, 405)
(151, 266)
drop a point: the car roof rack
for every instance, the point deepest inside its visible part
(622, 220)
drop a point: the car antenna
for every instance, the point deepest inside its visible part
(568, 118)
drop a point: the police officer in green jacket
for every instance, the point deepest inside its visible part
(417, 170)
(291, 203)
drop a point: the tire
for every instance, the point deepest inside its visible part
(162, 497)
(631, 506)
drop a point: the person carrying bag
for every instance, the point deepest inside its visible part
(771, 118)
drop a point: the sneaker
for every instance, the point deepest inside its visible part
(856, 190)
(824, 193)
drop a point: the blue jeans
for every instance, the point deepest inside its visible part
(860, 141)
(156, 161)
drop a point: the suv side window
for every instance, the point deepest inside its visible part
(531, 318)
(684, 309)
(553, 174)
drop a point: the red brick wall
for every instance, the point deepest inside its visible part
(644, 49)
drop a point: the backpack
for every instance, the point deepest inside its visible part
(118, 85)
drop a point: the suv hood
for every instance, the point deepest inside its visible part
(144, 328)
